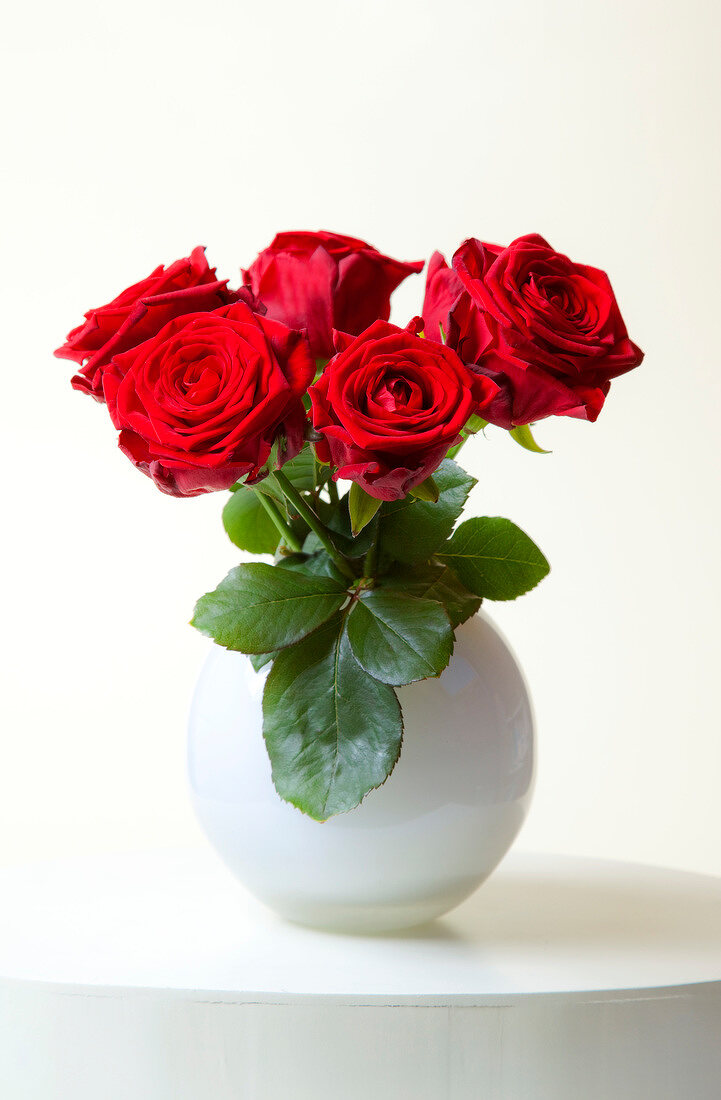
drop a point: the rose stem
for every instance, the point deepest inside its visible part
(288, 536)
(370, 562)
(332, 491)
(307, 513)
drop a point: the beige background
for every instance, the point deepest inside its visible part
(133, 132)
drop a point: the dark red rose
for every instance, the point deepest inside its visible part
(390, 404)
(201, 403)
(186, 286)
(319, 282)
(547, 330)
(526, 392)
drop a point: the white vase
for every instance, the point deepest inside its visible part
(415, 847)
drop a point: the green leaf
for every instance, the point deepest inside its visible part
(412, 531)
(260, 660)
(494, 558)
(459, 603)
(333, 733)
(259, 608)
(427, 490)
(336, 518)
(362, 507)
(248, 524)
(318, 564)
(524, 437)
(434, 581)
(399, 638)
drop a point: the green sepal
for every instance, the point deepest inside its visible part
(412, 530)
(427, 490)
(361, 508)
(524, 437)
(494, 558)
(332, 732)
(474, 424)
(259, 608)
(322, 473)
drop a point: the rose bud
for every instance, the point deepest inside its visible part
(319, 282)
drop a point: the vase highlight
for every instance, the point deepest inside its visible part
(418, 845)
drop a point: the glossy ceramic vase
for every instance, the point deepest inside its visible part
(415, 847)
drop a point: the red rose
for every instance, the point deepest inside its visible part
(319, 282)
(200, 404)
(547, 330)
(186, 286)
(389, 406)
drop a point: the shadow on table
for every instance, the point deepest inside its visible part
(645, 907)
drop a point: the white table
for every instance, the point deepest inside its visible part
(156, 977)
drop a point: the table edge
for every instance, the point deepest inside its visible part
(684, 991)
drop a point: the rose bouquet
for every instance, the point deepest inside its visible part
(337, 435)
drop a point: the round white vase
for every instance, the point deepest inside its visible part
(415, 847)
